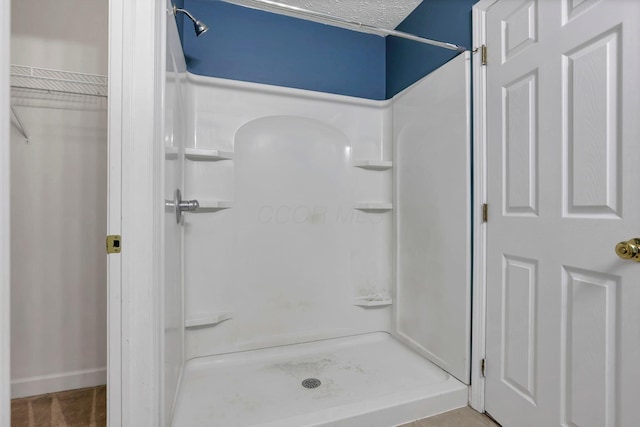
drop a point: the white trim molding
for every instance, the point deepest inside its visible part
(114, 214)
(5, 243)
(136, 72)
(31, 386)
(478, 333)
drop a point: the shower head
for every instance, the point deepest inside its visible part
(198, 26)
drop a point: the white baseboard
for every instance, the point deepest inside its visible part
(31, 386)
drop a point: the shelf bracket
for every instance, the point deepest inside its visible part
(19, 124)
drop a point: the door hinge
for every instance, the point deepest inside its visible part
(485, 212)
(483, 367)
(483, 54)
(114, 244)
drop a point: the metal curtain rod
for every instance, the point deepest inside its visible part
(358, 26)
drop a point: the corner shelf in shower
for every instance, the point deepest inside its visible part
(207, 155)
(374, 165)
(214, 205)
(372, 301)
(374, 207)
(211, 319)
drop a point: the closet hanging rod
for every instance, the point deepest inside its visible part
(358, 26)
(58, 81)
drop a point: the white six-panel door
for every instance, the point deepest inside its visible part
(563, 149)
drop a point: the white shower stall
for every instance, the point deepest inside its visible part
(325, 277)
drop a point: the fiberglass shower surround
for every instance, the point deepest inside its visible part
(317, 283)
(319, 252)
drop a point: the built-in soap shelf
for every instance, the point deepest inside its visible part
(207, 155)
(374, 207)
(372, 301)
(374, 165)
(206, 320)
(213, 205)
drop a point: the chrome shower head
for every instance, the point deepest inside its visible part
(198, 26)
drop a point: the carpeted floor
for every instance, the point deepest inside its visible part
(85, 407)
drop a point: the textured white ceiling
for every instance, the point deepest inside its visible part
(380, 13)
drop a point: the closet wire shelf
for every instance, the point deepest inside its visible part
(55, 82)
(24, 77)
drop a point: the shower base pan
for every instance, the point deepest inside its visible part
(366, 380)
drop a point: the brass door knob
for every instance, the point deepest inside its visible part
(629, 249)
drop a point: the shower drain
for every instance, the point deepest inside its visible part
(311, 383)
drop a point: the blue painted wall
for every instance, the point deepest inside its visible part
(262, 47)
(180, 21)
(443, 20)
(255, 46)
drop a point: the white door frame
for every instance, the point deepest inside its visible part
(478, 332)
(114, 202)
(5, 261)
(135, 75)
(136, 211)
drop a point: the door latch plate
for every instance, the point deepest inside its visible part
(113, 244)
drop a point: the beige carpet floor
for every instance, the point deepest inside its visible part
(86, 407)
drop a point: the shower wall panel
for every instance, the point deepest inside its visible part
(432, 152)
(175, 121)
(293, 241)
